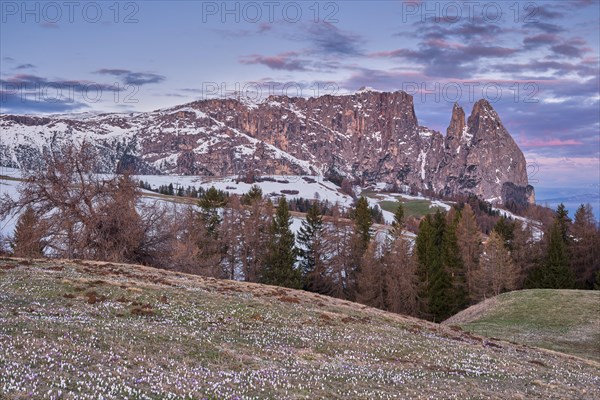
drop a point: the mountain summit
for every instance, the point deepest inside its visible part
(368, 136)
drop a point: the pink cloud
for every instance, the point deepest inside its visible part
(549, 143)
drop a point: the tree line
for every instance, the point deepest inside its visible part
(67, 211)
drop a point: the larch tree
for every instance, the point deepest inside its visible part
(339, 235)
(27, 241)
(371, 280)
(401, 281)
(230, 237)
(87, 215)
(496, 272)
(255, 237)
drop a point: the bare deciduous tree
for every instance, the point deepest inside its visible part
(84, 214)
(401, 278)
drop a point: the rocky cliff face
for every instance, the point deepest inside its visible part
(370, 136)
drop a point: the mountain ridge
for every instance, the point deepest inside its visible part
(366, 136)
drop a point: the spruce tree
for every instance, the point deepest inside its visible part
(453, 265)
(398, 223)
(506, 229)
(363, 221)
(279, 266)
(210, 203)
(434, 281)
(440, 298)
(359, 243)
(554, 271)
(311, 249)
(562, 217)
(254, 194)
(585, 247)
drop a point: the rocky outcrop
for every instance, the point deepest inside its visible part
(519, 196)
(369, 136)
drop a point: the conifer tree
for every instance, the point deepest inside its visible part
(363, 221)
(554, 271)
(562, 217)
(506, 229)
(279, 266)
(398, 223)
(311, 242)
(254, 194)
(526, 253)
(434, 281)
(585, 247)
(27, 241)
(453, 264)
(210, 203)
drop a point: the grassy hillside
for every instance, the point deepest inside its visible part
(561, 320)
(85, 330)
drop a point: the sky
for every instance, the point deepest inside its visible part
(537, 62)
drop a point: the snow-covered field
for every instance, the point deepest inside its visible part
(320, 188)
(10, 187)
(308, 187)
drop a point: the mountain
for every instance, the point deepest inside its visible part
(368, 136)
